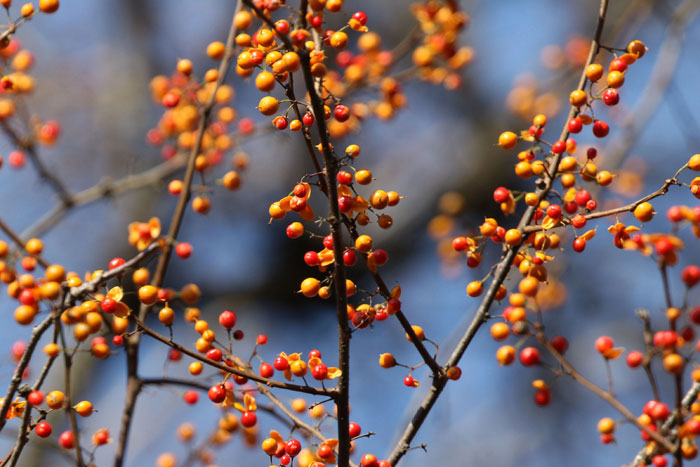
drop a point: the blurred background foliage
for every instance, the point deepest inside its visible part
(94, 61)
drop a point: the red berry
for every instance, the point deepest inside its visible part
(285, 459)
(345, 203)
(311, 258)
(35, 397)
(281, 363)
(360, 17)
(341, 113)
(174, 355)
(266, 370)
(355, 429)
(554, 211)
(559, 147)
(117, 340)
(603, 344)
(530, 356)
(501, 194)
(690, 275)
(600, 129)
(660, 411)
(611, 96)
(320, 372)
(349, 257)
(238, 335)
(619, 64)
(634, 358)
(460, 243)
(675, 214)
(579, 221)
(315, 353)
(227, 319)
(217, 394)
(591, 205)
(582, 197)
(282, 26)
(65, 439)
(543, 397)
(380, 257)
(663, 246)
(308, 119)
(16, 159)
(328, 241)
(570, 207)
(191, 397)
(43, 429)
(171, 99)
(591, 153)
(575, 125)
(659, 461)
(215, 355)
(344, 177)
(280, 122)
(183, 250)
(316, 21)
(560, 344)
(261, 339)
(249, 419)
(369, 460)
(408, 381)
(116, 262)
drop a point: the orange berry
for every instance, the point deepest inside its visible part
(419, 333)
(195, 368)
(24, 314)
(673, 363)
(363, 177)
(265, 81)
(84, 408)
(310, 286)
(606, 425)
(615, 79)
(201, 204)
(694, 162)
(231, 180)
(216, 50)
(166, 316)
(475, 288)
(528, 286)
(644, 212)
(577, 98)
(148, 294)
(637, 47)
(268, 105)
(27, 9)
(507, 140)
(48, 6)
(594, 72)
(364, 243)
(34, 246)
(55, 399)
(387, 360)
(513, 237)
(505, 355)
(499, 331)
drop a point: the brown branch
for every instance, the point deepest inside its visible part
(627, 208)
(72, 418)
(501, 270)
(132, 343)
(29, 147)
(23, 433)
(331, 168)
(236, 371)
